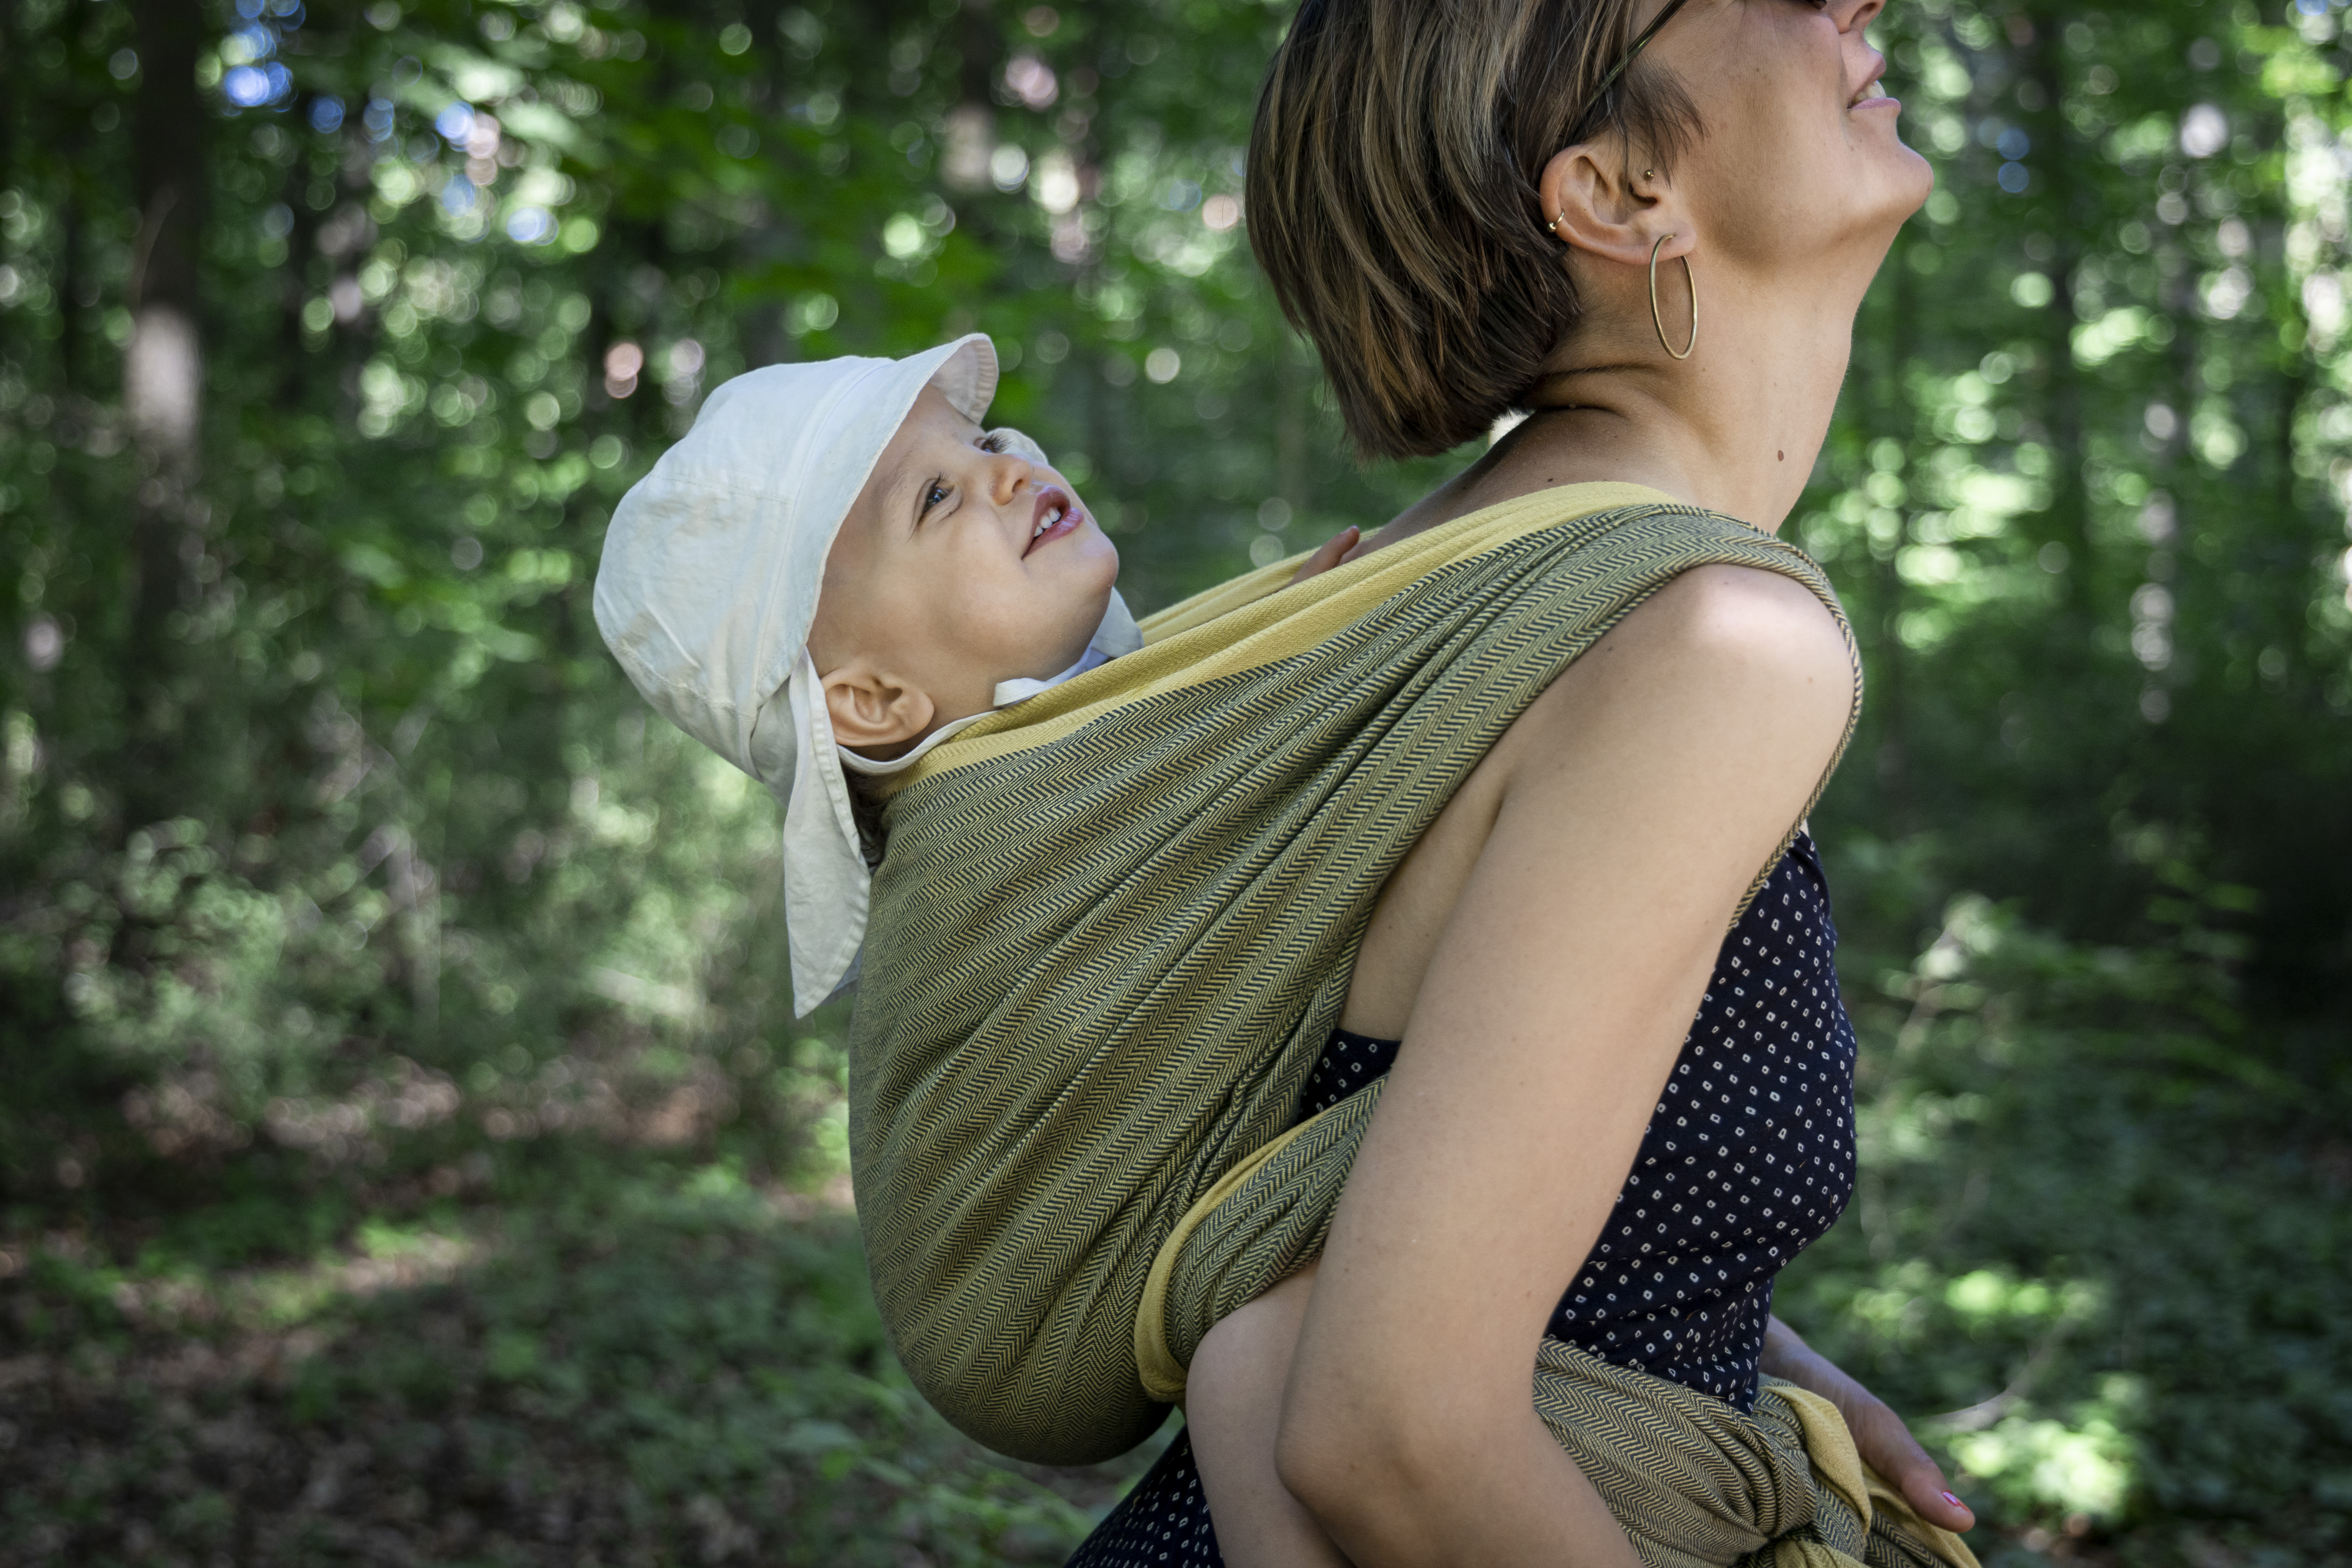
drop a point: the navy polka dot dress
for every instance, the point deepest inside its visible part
(1747, 1159)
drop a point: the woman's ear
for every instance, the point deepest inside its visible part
(1598, 204)
(871, 709)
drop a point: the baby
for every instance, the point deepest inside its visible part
(839, 568)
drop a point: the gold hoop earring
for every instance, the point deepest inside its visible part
(1657, 318)
(1553, 227)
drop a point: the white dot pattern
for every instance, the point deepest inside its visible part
(1747, 1159)
(1162, 1523)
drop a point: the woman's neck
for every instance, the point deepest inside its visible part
(1735, 428)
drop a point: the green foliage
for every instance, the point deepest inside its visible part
(2095, 1229)
(642, 1365)
(2086, 496)
(341, 877)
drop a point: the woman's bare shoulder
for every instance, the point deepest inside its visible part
(1744, 612)
(1720, 700)
(1727, 673)
(1739, 631)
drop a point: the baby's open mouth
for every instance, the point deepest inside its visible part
(1056, 515)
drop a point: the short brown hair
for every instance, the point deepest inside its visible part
(1392, 197)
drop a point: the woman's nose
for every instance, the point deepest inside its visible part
(1854, 15)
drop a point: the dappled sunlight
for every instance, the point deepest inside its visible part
(2083, 1465)
(2027, 1206)
(680, 1362)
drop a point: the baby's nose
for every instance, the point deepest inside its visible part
(1013, 475)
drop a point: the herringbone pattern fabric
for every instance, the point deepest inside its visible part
(1697, 1484)
(1100, 966)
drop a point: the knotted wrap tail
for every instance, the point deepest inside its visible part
(1697, 1484)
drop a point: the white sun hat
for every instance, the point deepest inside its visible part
(708, 585)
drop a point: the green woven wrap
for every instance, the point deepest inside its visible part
(1697, 1484)
(1114, 928)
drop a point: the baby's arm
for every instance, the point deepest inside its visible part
(1233, 1407)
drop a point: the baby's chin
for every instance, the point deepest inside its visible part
(1089, 557)
(1075, 628)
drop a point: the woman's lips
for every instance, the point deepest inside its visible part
(1873, 88)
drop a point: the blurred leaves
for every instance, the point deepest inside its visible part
(2099, 1231)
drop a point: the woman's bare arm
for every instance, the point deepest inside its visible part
(1637, 799)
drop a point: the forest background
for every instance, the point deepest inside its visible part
(406, 1151)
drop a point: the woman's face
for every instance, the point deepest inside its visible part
(1800, 158)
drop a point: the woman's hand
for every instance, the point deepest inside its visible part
(1885, 1443)
(1332, 551)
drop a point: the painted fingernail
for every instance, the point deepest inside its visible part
(1955, 1501)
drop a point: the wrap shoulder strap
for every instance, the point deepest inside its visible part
(1287, 1182)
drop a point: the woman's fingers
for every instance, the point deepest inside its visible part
(1330, 554)
(1887, 1447)
(1885, 1443)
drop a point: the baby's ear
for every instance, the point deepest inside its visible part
(871, 709)
(1021, 446)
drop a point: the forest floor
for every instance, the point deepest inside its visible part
(2102, 1265)
(588, 1358)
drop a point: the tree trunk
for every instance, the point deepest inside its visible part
(73, 277)
(2073, 209)
(162, 368)
(971, 124)
(301, 250)
(12, 70)
(1889, 415)
(163, 373)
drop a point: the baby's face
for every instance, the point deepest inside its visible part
(960, 565)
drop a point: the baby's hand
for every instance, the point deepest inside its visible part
(1334, 550)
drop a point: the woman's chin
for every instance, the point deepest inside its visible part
(1897, 182)
(1916, 186)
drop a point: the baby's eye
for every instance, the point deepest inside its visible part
(993, 442)
(932, 497)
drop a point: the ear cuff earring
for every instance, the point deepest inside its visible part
(1554, 224)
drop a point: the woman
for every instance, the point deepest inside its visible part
(1491, 204)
